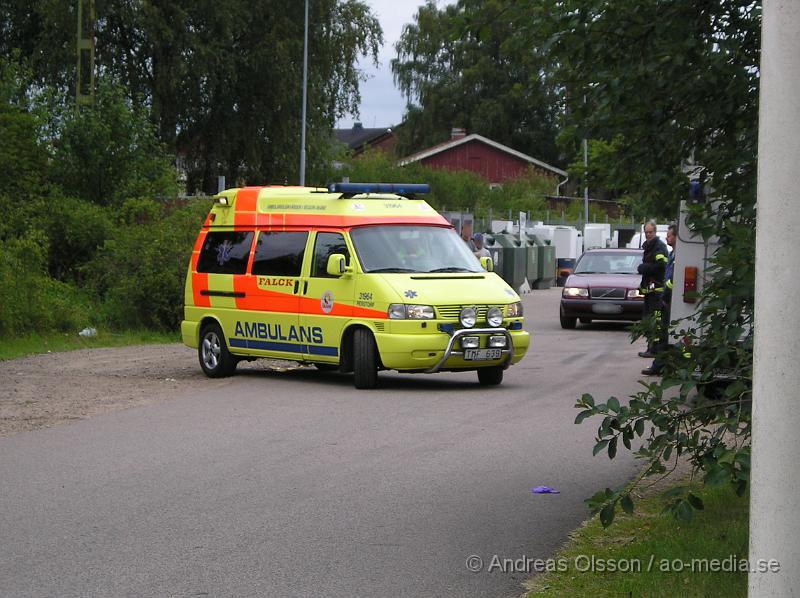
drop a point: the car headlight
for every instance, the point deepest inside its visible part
(634, 294)
(468, 317)
(514, 310)
(494, 317)
(575, 292)
(401, 311)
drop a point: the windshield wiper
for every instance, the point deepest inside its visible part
(450, 269)
(384, 270)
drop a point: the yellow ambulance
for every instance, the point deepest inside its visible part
(358, 277)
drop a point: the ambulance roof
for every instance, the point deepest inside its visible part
(313, 206)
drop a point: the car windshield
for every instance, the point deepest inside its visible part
(412, 249)
(608, 263)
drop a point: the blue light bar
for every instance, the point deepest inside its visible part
(397, 188)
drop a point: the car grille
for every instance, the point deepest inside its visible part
(450, 312)
(607, 293)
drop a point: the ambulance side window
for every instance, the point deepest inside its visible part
(279, 253)
(326, 245)
(225, 252)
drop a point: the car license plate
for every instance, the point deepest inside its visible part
(607, 308)
(482, 354)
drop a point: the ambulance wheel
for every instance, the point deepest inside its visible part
(491, 376)
(215, 359)
(365, 359)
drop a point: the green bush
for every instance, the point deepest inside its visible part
(31, 300)
(76, 229)
(140, 272)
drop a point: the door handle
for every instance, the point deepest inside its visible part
(296, 286)
(305, 287)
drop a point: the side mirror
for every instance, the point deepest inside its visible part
(337, 265)
(487, 264)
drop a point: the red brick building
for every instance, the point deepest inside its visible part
(489, 159)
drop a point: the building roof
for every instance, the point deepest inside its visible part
(451, 143)
(358, 136)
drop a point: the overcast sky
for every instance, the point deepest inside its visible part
(381, 102)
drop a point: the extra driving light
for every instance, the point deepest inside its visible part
(575, 292)
(514, 310)
(634, 294)
(497, 341)
(468, 317)
(401, 311)
(494, 317)
(470, 342)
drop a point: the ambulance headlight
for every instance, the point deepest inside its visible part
(468, 317)
(494, 317)
(514, 310)
(401, 311)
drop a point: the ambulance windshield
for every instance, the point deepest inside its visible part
(412, 249)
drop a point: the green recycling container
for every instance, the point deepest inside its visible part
(546, 275)
(531, 261)
(495, 252)
(514, 259)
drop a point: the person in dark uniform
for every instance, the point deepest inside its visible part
(666, 299)
(654, 263)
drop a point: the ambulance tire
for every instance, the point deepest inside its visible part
(215, 359)
(491, 376)
(365, 359)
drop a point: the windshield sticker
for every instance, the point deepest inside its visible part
(326, 302)
(411, 294)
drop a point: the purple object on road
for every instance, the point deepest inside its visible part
(544, 490)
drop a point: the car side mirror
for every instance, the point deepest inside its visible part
(337, 265)
(487, 264)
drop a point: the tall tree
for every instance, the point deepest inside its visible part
(223, 78)
(664, 82)
(464, 65)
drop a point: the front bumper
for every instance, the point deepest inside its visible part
(440, 351)
(602, 309)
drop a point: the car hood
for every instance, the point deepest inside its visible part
(584, 281)
(446, 289)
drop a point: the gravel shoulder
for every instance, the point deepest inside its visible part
(49, 389)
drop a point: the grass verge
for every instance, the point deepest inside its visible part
(33, 343)
(655, 555)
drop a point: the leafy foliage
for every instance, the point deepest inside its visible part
(661, 83)
(223, 79)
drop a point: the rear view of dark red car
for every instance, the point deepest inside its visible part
(603, 286)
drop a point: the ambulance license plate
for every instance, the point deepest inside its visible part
(482, 354)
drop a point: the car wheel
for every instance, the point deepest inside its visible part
(566, 322)
(491, 376)
(215, 359)
(365, 359)
(586, 320)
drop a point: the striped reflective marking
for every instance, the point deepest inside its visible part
(285, 347)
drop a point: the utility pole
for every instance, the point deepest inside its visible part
(84, 77)
(775, 475)
(303, 118)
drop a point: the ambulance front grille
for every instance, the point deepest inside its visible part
(451, 312)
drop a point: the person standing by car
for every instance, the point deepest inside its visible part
(654, 262)
(666, 299)
(480, 249)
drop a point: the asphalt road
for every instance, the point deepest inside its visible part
(293, 484)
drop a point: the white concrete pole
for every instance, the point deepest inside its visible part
(775, 479)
